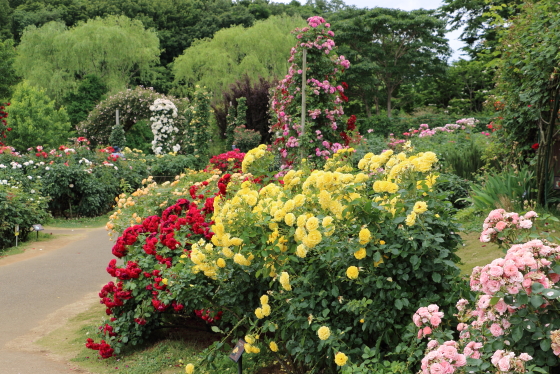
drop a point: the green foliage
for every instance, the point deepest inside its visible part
(390, 47)
(457, 188)
(479, 33)
(196, 134)
(114, 49)
(218, 62)
(20, 204)
(140, 136)
(5, 21)
(8, 77)
(528, 82)
(465, 161)
(35, 120)
(89, 92)
(117, 137)
(507, 190)
(245, 139)
(133, 105)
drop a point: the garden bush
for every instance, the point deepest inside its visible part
(20, 204)
(245, 139)
(272, 259)
(512, 324)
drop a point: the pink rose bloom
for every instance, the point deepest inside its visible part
(416, 320)
(460, 360)
(554, 277)
(506, 324)
(435, 321)
(501, 306)
(433, 308)
(530, 215)
(525, 224)
(496, 330)
(432, 344)
(484, 301)
(447, 367)
(427, 330)
(420, 334)
(500, 226)
(510, 269)
(448, 352)
(525, 357)
(513, 290)
(492, 286)
(436, 368)
(496, 271)
(461, 326)
(504, 363)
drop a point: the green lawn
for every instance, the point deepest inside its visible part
(78, 223)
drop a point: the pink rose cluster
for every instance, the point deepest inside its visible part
(523, 264)
(325, 96)
(442, 359)
(499, 220)
(426, 318)
(506, 362)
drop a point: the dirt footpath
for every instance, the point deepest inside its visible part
(44, 287)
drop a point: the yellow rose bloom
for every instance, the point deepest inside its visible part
(285, 281)
(301, 251)
(327, 221)
(324, 332)
(266, 310)
(382, 242)
(236, 241)
(312, 239)
(410, 219)
(221, 262)
(301, 220)
(259, 313)
(290, 219)
(289, 206)
(273, 346)
(189, 369)
(352, 272)
(299, 200)
(364, 236)
(360, 254)
(227, 252)
(340, 359)
(299, 234)
(279, 215)
(312, 224)
(420, 207)
(264, 299)
(249, 339)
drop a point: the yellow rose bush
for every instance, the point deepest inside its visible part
(326, 262)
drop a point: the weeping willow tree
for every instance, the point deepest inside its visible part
(258, 51)
(114, 49)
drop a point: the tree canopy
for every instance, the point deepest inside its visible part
(260, 50)
(389, 47)
(114, 48)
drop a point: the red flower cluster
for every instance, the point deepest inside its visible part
(535, 146)
(208, 315)
(104, 349)
(117, 293)
(131, 271)
(227, 162)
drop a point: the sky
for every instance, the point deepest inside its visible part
(453, 37)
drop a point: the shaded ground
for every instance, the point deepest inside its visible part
(44, 287)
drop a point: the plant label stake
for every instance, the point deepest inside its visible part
(237, 355)
(16, 233)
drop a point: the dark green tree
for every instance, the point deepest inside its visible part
(8, 76)
(117, 137)
(390, 47)
(90, 91)
(480, 32)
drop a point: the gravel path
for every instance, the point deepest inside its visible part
(41, 289)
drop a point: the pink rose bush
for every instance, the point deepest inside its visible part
(513, 323)
(324, 98)
(504, 227)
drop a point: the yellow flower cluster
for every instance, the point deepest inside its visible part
(273, 346)
(252, 156)
(340, 161)
(385, 186)
(189, 369)
(372, 162)
(285, 281)
(324, 332)
(264, 310)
